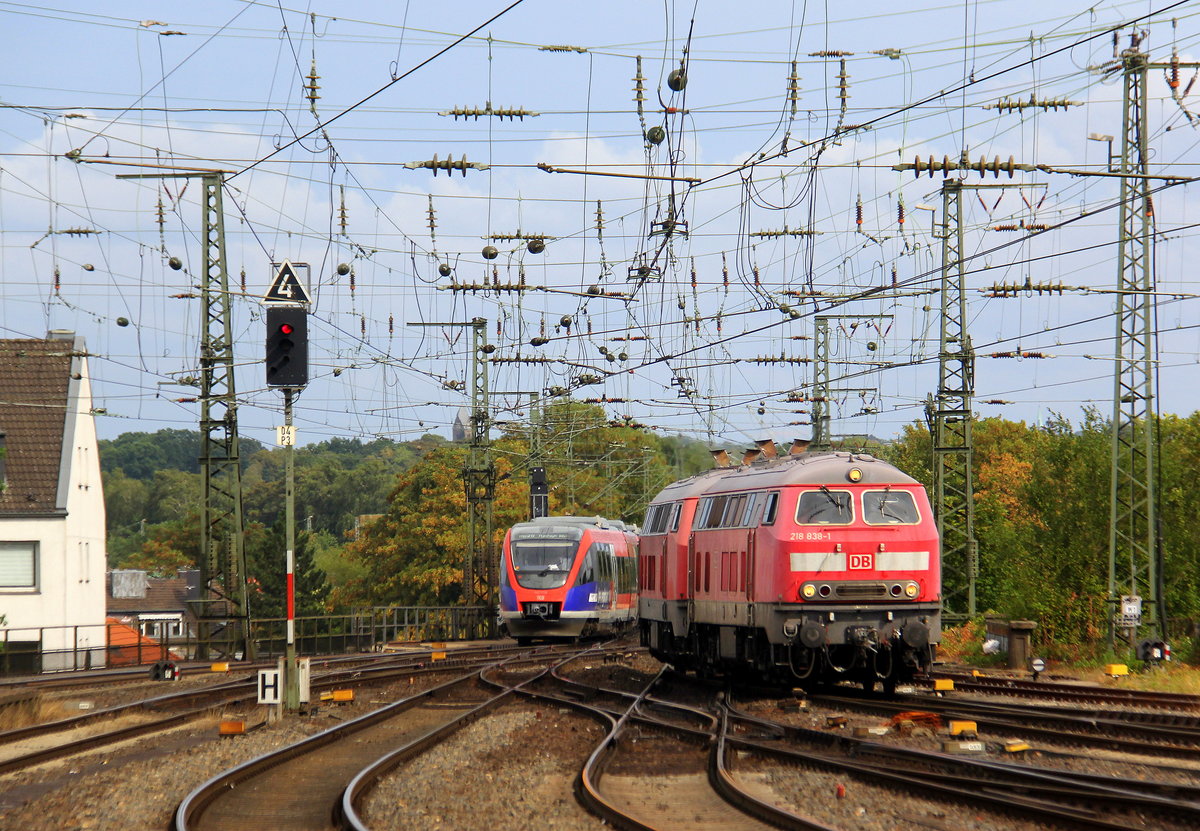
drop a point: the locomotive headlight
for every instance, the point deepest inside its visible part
(911, 589)
(809, 591)
(854, 474)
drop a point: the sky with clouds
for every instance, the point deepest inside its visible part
(774, 178)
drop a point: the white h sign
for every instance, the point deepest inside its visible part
(268, 686)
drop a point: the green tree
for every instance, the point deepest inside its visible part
(266, 570)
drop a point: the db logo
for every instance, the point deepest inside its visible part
(862, 562)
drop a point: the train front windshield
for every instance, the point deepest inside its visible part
(543, 564)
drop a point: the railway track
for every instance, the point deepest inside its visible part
(1150, 734)
(1044, 796)
(1073, 693)
(166, 711)
(302, 785)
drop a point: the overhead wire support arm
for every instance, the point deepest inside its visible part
(551, 169)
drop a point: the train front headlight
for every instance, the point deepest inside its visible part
(911, 590)
(808, 591)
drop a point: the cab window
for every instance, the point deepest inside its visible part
(824, 507)
(770, 509)
(890, 508)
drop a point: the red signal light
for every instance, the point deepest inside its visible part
(286, 328)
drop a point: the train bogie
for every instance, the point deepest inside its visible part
(810, 567)
(568, 577)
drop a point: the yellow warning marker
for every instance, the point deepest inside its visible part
(437, 645)
(1015, 746)
(438, 656)
(233, 727)
(943, 684)
(976, 673)
(223, 666)
(963, 728)
(1116, 670)
(338, 696)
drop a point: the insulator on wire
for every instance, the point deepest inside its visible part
(639, 89)
(486, 111)
(858, 211)
(362, 325)
(391, 325)
(310, 89)
(448, 164)
(1008, 105)
(946, 166)
(900, 211)
(785, 232)
(793, 89)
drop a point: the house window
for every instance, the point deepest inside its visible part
(18, 566)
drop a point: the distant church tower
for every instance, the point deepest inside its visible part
(461, 429)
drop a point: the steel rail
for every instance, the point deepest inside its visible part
(1024, 687)
(1020, 723)
(194, 804)
(347, 811)
(723, 781)
(976, 779)
(225, 694)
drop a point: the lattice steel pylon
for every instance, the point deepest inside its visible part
(480, 567)
(948, 413)
(1133, 567)
(821, 439)
(222, 556)
(222, 561)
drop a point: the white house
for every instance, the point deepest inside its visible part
(52, 541)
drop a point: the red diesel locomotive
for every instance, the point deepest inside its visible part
(809, 567)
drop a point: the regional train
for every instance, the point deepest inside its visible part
(567, 577)
(804, 568)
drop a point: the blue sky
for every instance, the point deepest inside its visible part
(221, 85)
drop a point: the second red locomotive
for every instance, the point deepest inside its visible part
(808, 567)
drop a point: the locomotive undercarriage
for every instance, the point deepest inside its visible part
(804, 646)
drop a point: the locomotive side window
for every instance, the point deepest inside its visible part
(771, 509)
(716, 508)
(824, 507)
(890, 508)
(754, 503)
(657, 517)
(735, 507)
(675, 511)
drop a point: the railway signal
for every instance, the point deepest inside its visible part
(287, 346)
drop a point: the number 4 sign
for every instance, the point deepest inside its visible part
(287, 286)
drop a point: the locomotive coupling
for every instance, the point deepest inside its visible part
(915, 634)
(862, 636)
(812, 634)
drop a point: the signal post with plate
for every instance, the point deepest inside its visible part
(287, 369)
